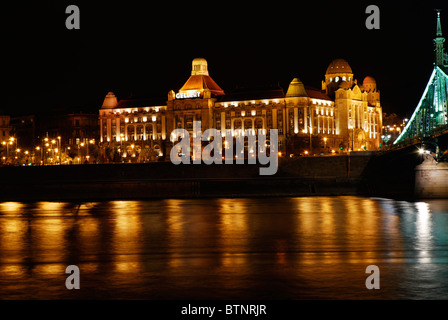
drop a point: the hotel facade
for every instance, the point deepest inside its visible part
(342, 116)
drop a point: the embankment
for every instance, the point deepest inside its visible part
(325, 175)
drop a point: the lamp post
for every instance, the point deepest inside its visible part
(53, 149)
(92, 142)
(7, 147)
(59, 150)
(121, 144)
(12, 139)
(310, 129)
(80, 158)
(325, 140)
(44, 144)
(41, 154)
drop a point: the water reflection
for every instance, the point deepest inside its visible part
(287, 248)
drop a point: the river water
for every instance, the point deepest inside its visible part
(258, 248)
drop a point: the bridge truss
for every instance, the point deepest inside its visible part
(430, 118)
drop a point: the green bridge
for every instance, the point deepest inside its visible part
(430, 118)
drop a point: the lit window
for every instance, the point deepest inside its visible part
(336, 79)
(344, 78)
(331, 79)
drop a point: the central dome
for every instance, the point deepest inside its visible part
(200, 80)
(339, 66)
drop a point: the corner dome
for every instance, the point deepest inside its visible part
(110, 101)
(296, 89)
(339, 66)
(369, 84)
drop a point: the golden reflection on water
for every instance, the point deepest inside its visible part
(176, 231)
(10, 207)
(48, 235)
(317, 240)
(234, 232)
(127, 235)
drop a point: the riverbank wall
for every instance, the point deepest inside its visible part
(324, 175)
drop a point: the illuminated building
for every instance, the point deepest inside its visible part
(357, 107)
(341, 115)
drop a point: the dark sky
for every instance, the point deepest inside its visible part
(146, 47)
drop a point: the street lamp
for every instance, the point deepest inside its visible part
(59, 147)
(7, 147)
(79, 150)
(41, 154)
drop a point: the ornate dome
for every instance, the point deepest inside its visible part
(369, 83)
(339, 66)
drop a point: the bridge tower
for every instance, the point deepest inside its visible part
(430, 117)
(438, 42)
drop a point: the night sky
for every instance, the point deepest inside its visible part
(146, 48)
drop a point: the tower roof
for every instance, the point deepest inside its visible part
(316, 93)
(200, 79)
(110, 101)
(199, 67)
(439, 27)
(339, 66)
(296, 89)
(438, 42)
